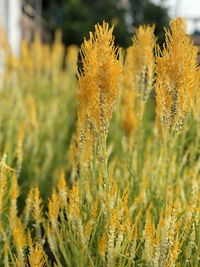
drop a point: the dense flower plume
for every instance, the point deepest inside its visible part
(177, 80)
(138, 77)
(98, 81)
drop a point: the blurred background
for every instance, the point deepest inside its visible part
(22, 18)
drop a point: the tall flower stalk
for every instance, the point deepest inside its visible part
(98, 88)
(138, 82)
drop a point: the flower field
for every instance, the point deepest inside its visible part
(100, 160)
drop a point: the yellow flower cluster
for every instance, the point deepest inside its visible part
(138, 78)
(177, 82)
(98, 80)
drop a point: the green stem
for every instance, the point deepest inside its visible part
(105, 172)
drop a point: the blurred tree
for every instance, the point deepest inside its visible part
(158, 15)
(137, 10)
(145, 11)
(77, 17)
